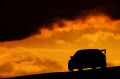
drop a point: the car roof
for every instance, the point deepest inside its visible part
(91, 51)
(88, 50)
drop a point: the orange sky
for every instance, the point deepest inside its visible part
(49, 51)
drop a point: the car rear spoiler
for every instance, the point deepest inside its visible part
(103, 51)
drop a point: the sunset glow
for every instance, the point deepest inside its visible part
(51, 48)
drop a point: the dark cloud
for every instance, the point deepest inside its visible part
(22, 18)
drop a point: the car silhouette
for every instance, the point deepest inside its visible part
(87, 58)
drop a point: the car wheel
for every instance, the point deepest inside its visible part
(70, 69)
(103, 66)
(80, 69)
(94, 68)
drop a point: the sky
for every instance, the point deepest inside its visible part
(40, 36)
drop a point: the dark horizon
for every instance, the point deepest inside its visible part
(109, 73)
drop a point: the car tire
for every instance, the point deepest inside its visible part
(103, 66)
(80, 69)
(93, 68)
(70, 69)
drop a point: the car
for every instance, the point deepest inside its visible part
(87, 58)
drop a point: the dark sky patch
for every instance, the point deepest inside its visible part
(20, 19)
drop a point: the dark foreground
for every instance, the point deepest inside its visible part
(108, 73)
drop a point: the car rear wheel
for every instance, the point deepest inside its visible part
(103, 66)
(70, 69)
(80, 69)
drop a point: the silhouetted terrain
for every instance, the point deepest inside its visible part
(108, 73)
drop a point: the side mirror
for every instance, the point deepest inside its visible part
(71, 56)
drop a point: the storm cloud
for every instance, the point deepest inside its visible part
(20, 19)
